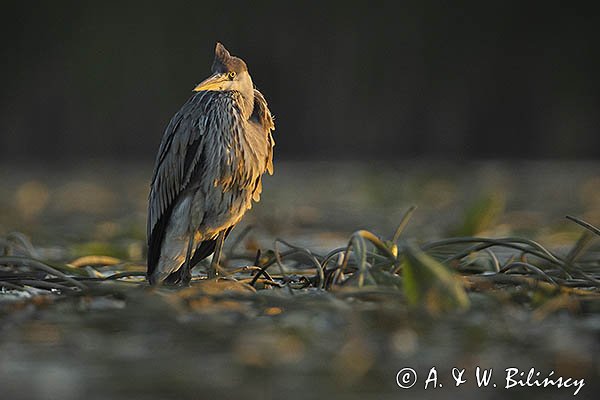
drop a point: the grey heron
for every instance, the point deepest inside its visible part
(208, 171)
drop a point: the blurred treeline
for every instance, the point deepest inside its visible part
(367, 80)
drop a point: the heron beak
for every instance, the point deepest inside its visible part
(211, 83)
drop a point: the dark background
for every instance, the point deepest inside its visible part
(369, 81)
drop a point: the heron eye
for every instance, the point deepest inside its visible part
(231, 75)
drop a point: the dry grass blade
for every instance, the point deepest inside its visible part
(120, 275)
(529, 267)
(94, 261)
(582, 243)
(379, 244)
(586, 225)
(403, 223)
(312, 258)
(359, 247)
(33, 263)
(10, 285)
(42, 284)
(268, 264)
(526, 246)
(494, 258)
(252, 282)
(332, 255)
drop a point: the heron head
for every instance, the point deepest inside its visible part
(229, 73)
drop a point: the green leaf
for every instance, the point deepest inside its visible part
(427, 281)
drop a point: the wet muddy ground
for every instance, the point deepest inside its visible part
(288, 338)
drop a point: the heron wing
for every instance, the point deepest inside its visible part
(178, 157)
(262, 115)
(262, 125)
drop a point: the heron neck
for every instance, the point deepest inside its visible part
(247, 103)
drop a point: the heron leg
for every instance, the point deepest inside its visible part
(186, 274)
(214, 264)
